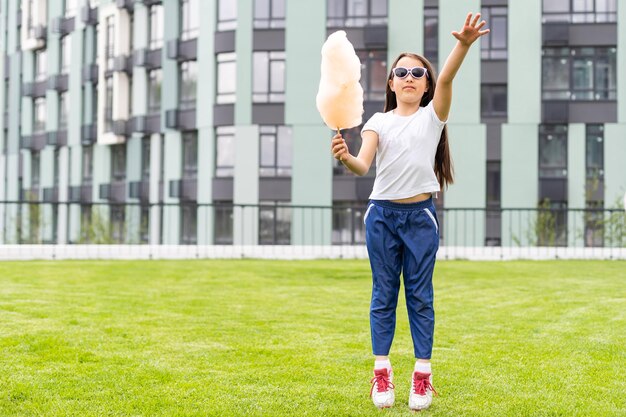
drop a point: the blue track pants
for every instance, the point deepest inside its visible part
(402, 238)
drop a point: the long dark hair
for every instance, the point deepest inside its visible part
(443, 161)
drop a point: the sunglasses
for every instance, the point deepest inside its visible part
(416, 72)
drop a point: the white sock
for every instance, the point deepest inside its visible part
(423, 367)
(383, 364)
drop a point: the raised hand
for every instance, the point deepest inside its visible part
(471, 30)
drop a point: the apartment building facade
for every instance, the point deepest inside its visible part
(194, 122)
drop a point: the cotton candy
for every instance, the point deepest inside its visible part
(340, 95)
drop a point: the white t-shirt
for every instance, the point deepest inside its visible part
(405, 158)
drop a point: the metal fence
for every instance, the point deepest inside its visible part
(464, 232)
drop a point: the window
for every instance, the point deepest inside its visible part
(190, 155)
(40, 65)
(87, 165)
(144, 227)
(70, 8)
(108, 105)
(580, 73)
(594, 192)
(109, 46)
(145, 159)
(268, 83)
(553, 151)
(348, 227)
(225, 151)
(223, 223)
(269, 14)
(276, 151)
(493, 101)
(85, 223)
(66, 54)
(118, 163)
(274, 224)
(117, 223)
(373, 74)
(226, 78)
(580, 11)
(56, 167)
(493, 214)
(39, 115)
(35, 169)
(156, 26)
(30, 19)
(594, 163)
(63, 111)
(494, 46)
(356, 13)
(226, 15)
(189, 19)
(551, 221)
(189, 224)
(188, 82)
(431, 35)
(154, 90)
(493, 184)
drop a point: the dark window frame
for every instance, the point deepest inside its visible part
(274, 19)
(225, 24)
(156, 22)
(572, 55)
(155, 85)
(189, 154)
(189, 11)
(275, 169)
(275, 223)
(222, 133)
(487, 49)
(188, 82)
(578, 17)
(226, 97)
(273, 60)
(345, 18)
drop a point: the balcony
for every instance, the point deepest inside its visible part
(35, 142)
(185, 189)
(124, 4)
(29, 194)
(180, 119)
(114, 192)
(35, 88)
(139, 190)
(147, 124)
(182, 50)
(90, 73)
(58, 82)
(51, 195)
(146, 58)
(123, 63)
(58, 138)
(89, 16)
(122, 127)
(40, 33)
(89, 134)
(62, 25)
(81, 194)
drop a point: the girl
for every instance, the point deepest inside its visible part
(402, 232)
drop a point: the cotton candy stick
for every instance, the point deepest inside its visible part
(340, 96)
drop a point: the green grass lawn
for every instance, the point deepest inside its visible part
(276, 338)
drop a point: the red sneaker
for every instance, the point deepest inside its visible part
(382, 391)
(421, 395)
